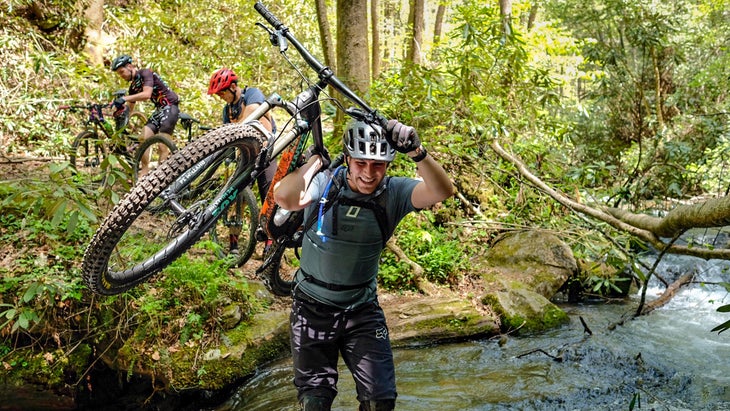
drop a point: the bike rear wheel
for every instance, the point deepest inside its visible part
(133, 243)
(157, 148)
(87, 156)
(235, 231)
(277, 278)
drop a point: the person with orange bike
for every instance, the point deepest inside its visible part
(145, 85)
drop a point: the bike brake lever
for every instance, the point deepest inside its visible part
(275, 37)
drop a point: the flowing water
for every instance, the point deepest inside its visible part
(667, 360)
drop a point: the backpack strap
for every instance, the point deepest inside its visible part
(332, 196)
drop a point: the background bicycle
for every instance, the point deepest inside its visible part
(91, 147)
(240, 217)
(132, 243)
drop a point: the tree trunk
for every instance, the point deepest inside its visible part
(95, 36)
(711, 213)
(375, 30)
(325, 34)
(417, 23)
(533, 16)
(505, 10)
(439, 23)
(353, 65)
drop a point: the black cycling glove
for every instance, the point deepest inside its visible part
(323, 154)
(119, 102)
(404, 139)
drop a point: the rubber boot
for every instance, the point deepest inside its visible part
(309, 403)
(379, 405)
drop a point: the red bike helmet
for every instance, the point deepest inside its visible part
(221, 80)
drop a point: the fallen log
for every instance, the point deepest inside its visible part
(667, 295)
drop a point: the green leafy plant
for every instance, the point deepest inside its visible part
(726, 325)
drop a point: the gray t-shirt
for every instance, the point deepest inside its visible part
(352, 256)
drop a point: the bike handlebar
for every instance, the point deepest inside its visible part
(325, 73)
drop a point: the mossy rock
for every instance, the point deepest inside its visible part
(420, 319)
(239, 353)
(522, 309)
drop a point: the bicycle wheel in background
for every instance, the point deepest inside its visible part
(154, 148)
(87, 159)
(132, 243)
(135, 124)
(235, 231)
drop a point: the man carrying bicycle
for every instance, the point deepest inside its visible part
(145, 85)
(335, 307)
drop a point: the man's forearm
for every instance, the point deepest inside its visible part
(290, 192)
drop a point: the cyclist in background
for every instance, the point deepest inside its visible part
(145, 85)
(240, 102)
(335, 309)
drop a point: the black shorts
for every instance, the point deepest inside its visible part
(163, 120)
(320, 333)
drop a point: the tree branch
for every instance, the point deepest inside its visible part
(422, 283)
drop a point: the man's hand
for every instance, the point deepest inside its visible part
(401, 137)
(119, 102)
(323, 154)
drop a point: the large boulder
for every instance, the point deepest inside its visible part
(417, 319)
(525, 271)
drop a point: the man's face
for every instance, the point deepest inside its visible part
(365, 175)
(226, 95)
(125, 72)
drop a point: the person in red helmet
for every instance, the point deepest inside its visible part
(240, 102)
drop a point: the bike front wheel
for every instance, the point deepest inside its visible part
(133, 243)
(135, 124)
(87, 156)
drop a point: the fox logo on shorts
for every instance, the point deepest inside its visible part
(381, 333)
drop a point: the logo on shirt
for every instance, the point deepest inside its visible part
(381, 333)
(353, 212)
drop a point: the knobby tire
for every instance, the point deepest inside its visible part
(271, 271)
(132, 243)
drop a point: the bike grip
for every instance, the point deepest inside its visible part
(266, 14)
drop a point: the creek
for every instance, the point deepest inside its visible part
(666, 360)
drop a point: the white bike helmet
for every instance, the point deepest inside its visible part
(367, 142)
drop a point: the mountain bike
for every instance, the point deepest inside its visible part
(90, 148)
(240, 217)
(132, 244)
